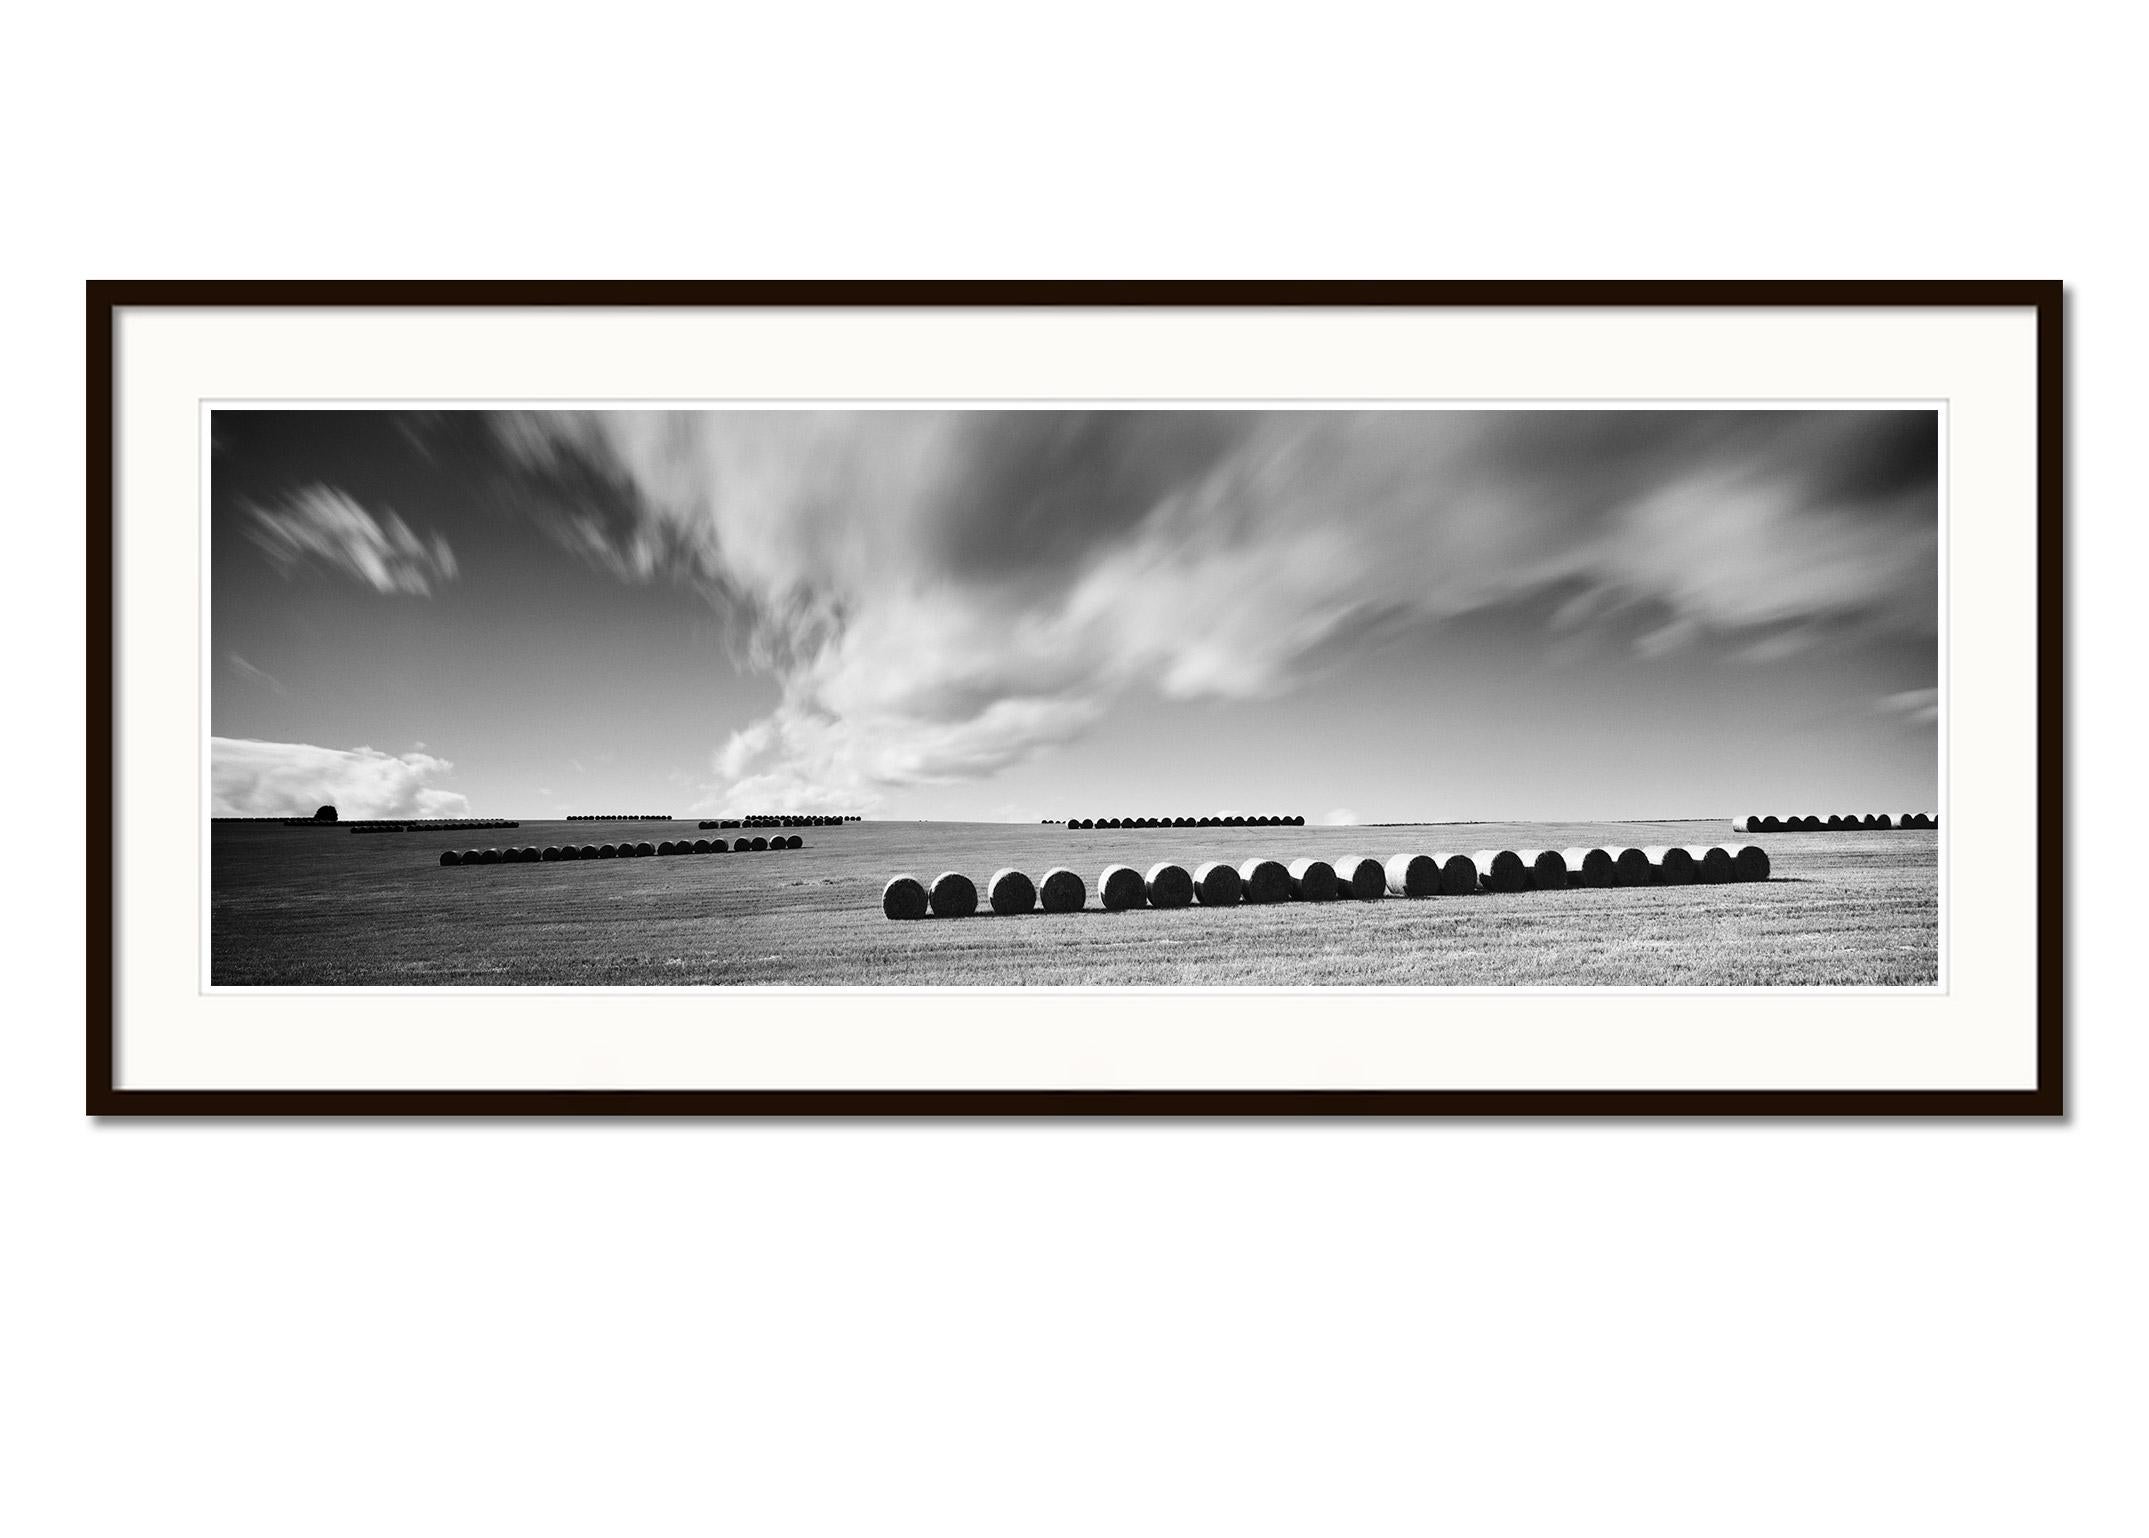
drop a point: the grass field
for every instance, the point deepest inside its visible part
(308, 906)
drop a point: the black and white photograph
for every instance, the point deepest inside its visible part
(1572, 695)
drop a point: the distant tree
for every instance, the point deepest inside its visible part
(325, 814)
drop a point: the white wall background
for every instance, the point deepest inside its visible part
(324, 1329)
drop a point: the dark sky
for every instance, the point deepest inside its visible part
(1369, 615)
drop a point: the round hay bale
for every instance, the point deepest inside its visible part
(1772, 824)
(1313, 881)
(904, 898)
(1548, 868)
(589, 852)
(1360, 877)
(1411, 875)
(607, 851)
(1869, 821)
(1713, 863)
(1264, 881)
(552, 852)
(718, 846)
(1121, 887)
(699, 846)
(450, 857)
(1749, 862)
(489, 857)
(643, 849)
(1670, 865)
(667, 848)
(1217, 884)
(798, 841)
(1835, 821)
(1886, 821)
(570, 852)
(1168, 885)
(1062, 891)
(1745, 824)
(1010, 891)
(1589, 867)
(954, 895)
(1632, 867)
(473, 857)
(758, 844)
(1109, 822)
(1928, 820)
(1458, 873)
(1502, 870)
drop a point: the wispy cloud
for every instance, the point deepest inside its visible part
(249, 778)
(254, 675)
(324, 527)
(940, 594)
(1916, 707)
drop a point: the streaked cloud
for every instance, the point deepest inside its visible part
(249, 778)
(254, 675)
(940, 594)
(321, 526)
(1916, 707)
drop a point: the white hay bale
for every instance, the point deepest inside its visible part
(1010, 891)
(1633, 867)
(1745, 824)
(1548, 868)
(1670, 865)
(1360, 877)
(953, 894)
(904, 898)
(1501, 870)
(1168, 885)
(1121, 887)
(1749, 862)
(1458, 873)
(1062, 891)
(1217, 884)
(1589, 867)
(1264, 881)
(1713, 863)
(1313, 881)
(1411, 875)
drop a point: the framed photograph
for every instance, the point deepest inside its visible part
(1075, 698)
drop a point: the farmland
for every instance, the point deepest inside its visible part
(317, 906)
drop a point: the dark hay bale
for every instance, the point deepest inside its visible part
(1360, 877)
(1589, 867)
(1548, 868)
(1458, 873)
(1313, 881)
(1010, 891)
(667, 848)
(1772, 824)
(473, 857)
(1502, 870)
(797, 842)
(1168, 885)
(1264, 881)
(1927, 820)
(718, 846)
(1869, 821)
(699, 846)
(489, 857)
(1749, 863)
(1886, 821)
(1631, 867)
(757, 844)
(552, 852)
(607, 851)
(590, 852)
(1814, 824)
(904, 898)
(450, 857)
(570, 852)
(1745, 824)
(1411, 875)
(1109, 822)
(954, 895)
(1669, 865)
(1713, 862)
(1062, 891)
(1216, 884)
(1121, 887)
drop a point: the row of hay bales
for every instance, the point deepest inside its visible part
(531, 853)
(1220, 883)
(621, 817)
(1845, 823)
(1188, 822)
(799, 820)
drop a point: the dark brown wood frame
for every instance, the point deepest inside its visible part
(2045, 298)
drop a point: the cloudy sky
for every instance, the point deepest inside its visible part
(1348, 615)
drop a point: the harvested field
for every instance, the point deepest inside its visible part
(290, 907)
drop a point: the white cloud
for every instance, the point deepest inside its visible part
(941, 594)
(249, 778)
(1918, 707)
(326, 527)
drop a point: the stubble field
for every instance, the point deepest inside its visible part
(303, 906)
